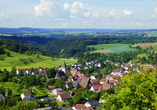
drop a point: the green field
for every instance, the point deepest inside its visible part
(117, 48)
(152, 34)
(106, 46)
(43, 61)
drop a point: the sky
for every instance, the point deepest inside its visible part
(102, 14)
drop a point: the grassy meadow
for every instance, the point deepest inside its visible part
(36, 61)
(108, 48)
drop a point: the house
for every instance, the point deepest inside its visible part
(84, 85)
(69, 85)
(46, 98)
(63, 97)
(42, 70)
(104, 87)
(60, 74)
(93, 77)
(24, 100)
(76, 84)
(79, 107)
(117, 72)
(94, 81)
(25, 95)
(95, 87)
(56, 90)
(35, 72)
(92, 104)
(50, 87)
(102, 81)
(29, 71)
(73, 72)
(72, 58)
(85, 80)
(2, 98)
(23, 70)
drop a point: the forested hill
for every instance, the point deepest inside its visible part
(34, 40)
(15, 46)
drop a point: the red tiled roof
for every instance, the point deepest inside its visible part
(103, 80)
(24, 70)
(50, 87)
(79, 106)
(73, 72)
(96, 86)
(115, 77)
(83, 84)
(116, 70)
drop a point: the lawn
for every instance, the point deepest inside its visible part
(116, 48)
(43, 61)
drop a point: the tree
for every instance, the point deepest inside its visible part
(77, 98)
(137, 91)
(59, 84)
(51, 73)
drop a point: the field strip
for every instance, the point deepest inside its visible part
(102, 51)
(147, 45)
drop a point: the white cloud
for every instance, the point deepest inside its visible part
(127, 12)
(3, 16)
(97, 15)
(137, 24)
(51, 8)
(87, 14)
(66, 6)
(112, 12)
(77, 10)
(155, 10)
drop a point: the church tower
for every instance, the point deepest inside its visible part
(64, 67)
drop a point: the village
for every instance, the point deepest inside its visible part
(79, 80)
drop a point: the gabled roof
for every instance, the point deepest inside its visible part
(115, 77)
(27, 94)
(84, 85)
(116, 70)
(73, 72)
(58, 89)
(79, 106)
(65, 96)
(105, 87)
(96, 87)
(75, 84)
(69, 84)
(93, 103)
(60, 74)
(50, 87)
(85, 80)
(24, 70)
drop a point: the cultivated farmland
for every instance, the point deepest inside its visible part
(108, 48)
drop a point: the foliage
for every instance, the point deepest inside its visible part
(137, 91)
